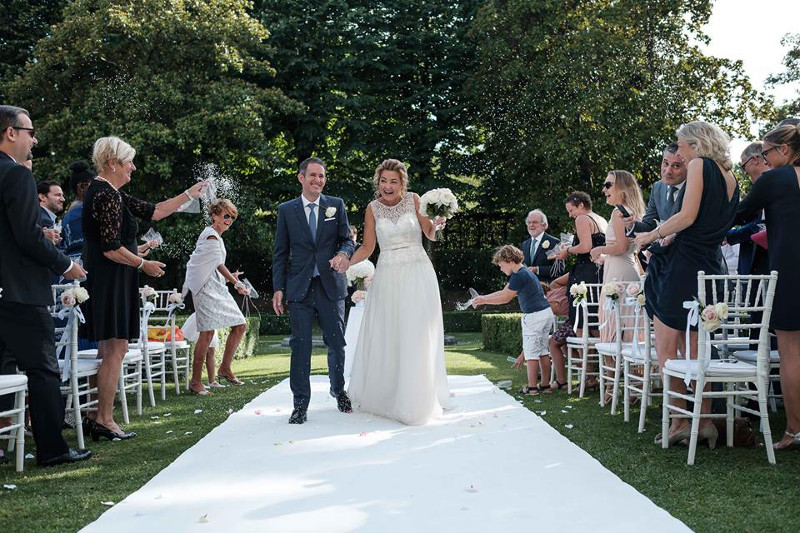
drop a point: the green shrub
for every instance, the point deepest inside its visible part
(275, 325)
(462, 321)
(248, 345)
(502, 333)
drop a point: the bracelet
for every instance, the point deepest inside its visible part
(141, 264)
(189, 196)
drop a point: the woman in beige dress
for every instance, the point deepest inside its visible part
(619, 253)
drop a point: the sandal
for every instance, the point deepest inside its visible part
(558, 385)
(533, 391)
(232, 381)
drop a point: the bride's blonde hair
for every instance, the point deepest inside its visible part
(390, 164)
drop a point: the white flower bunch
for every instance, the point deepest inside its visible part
(578, 292)
(148, 292)
(360, 271)
(74, 296)
(712, 316)
(329, 212)
(438, 203)
(175, 298)
(613, 290)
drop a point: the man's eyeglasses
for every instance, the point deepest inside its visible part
(765, 152)
(607, 185)
(32, 130)
(227, 216)
(747, 161)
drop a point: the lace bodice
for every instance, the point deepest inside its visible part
(399, 233)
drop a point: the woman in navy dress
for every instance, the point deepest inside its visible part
(706, 207)
(777, 192)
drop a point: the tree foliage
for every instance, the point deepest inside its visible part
(171, 77)
(379, 79)
(791, 62)
(570, 90)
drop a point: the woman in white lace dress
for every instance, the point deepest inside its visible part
(398, 368)
(215, 308)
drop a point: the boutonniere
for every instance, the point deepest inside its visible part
(330, 212)
(546, 245)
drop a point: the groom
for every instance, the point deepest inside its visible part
(312, 251)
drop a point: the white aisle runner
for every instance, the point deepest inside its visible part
(486, 465)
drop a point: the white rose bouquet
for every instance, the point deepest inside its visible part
(613, 290)
(175, 298)
(438, 203)
(74, 296)
(578, 292)
(712, 316)
(359, 272)
(148, 292)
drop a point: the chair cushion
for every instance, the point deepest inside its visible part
(628, 353)
(750, 356)
(181, 344)
(579, 340)
(716, 368)
(86, 367)
(152, 346)
(130, 356)
(610, 348)
(12, 383)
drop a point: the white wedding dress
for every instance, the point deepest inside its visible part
(398, 368)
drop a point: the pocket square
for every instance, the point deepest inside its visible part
(328, 219)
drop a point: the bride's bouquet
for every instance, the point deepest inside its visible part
(438, 203)
(359, 272)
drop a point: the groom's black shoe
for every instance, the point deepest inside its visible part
(298, 415)
(343, 402)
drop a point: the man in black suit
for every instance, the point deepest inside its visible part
(27, 263)
(536, 248)
(51, 202)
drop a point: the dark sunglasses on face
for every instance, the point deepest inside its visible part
(607, 185)
(32, 130)
(227, 216)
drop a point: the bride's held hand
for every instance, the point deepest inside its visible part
(439, 223)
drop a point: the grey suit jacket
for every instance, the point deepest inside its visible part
(657, 209)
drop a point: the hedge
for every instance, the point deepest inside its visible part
(502, 333)
(248, 345)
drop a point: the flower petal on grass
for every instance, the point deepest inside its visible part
(471, 488)
(108, 503)
(204, 519)
(568, 426)
(9, 486)
(198, 411)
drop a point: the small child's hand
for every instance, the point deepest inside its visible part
(520, 362)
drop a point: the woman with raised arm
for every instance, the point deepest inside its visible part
(111, 257)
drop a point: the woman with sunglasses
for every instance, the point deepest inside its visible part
(214, 306)
(777, 192)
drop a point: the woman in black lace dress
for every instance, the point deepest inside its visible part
(111, 258)
(705, 207)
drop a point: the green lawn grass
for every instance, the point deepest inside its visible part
(726, 490)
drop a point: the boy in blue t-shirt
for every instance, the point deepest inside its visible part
(537, 319)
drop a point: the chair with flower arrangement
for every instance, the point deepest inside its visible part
(15, 385)
(165, 327)
(622, 307)
(153, 353)
(712, 321)
(581, 349)
(75, 372)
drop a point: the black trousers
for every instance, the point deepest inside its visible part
(27, 341)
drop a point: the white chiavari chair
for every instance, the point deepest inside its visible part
(15, 385)
(581, 351)
(733, 374)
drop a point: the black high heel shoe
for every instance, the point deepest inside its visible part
(98, 430)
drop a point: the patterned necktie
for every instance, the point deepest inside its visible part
(671, 197)
(312, 225)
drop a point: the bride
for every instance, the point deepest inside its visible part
(398, 368)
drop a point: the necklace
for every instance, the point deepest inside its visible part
(101, 178)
